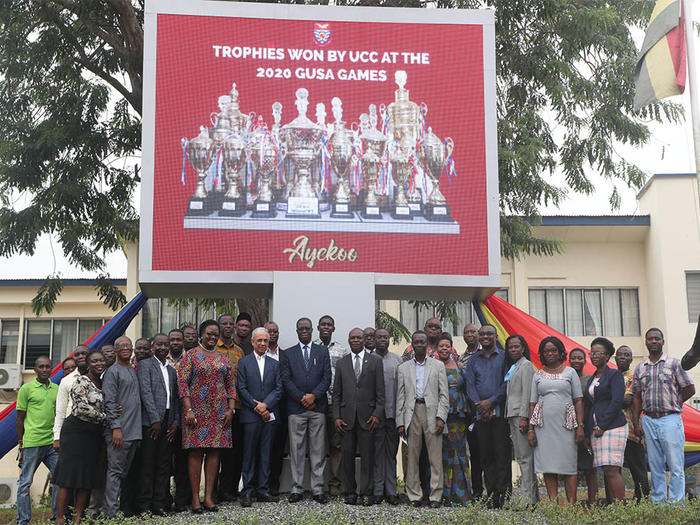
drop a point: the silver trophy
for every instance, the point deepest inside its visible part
(400, 158)
(233, 154)
(374, 147)
(201, 151)
(301, 142)
(264, 154)
(434, 154)
(341, 152)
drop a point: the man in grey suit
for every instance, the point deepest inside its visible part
(519, 381)
(160, 418)
(358, 408)
(422, 402)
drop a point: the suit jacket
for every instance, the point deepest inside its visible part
(607, 403)
(154, 396)
(298, 381)
(519, 389)
(435, 393)
(251, 387)
(363, 398)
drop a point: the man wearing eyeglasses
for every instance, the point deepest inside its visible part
(306, 376)
(433, 329)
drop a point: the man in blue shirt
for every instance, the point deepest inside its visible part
(486, 389)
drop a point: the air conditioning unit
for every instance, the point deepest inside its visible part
(10, 377)
(8, 492)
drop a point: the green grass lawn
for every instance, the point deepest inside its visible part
(336, 513)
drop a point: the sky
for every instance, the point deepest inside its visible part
(669, 150)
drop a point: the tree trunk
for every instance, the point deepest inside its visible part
(259, 310)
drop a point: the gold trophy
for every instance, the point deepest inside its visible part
(264, 154)
(373, 146)
(404, 124)
(341, 152)
(433, 155)
(301, 141)
(201, 151)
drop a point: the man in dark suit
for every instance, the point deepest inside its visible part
(358, 408)
(160, 416)
(306, 376)
(260, 390)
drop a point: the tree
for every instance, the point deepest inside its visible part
(71, 98)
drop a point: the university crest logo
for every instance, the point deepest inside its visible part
(322, 33)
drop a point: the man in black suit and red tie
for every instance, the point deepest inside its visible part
(358, 408)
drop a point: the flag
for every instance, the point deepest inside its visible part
(510, 320)
(107, 334)
(661, 64)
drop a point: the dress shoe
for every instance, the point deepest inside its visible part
(159, 512)
(435, 504)
(321, 498)
(295, 497)
(180, 508)
(266, 498)
(246, 501)
(351, 499)
(198, 510)
(334, 490)
(367, 501)
(377, 500)
(213, 508)
(418, 503)
(224, 496)
(392, 500)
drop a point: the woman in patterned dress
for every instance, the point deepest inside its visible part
(82, 441)
(556, 418)
(457, 487)
(208, 395)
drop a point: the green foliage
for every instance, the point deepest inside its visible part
(46, 295)
(71, 98)
(397, 331)
(443, 310)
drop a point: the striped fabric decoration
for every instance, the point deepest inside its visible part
(661, 65)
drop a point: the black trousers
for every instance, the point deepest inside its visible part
(475, 463)
(495, 449)
(637, 463)
(130, 486)
(154, 470)
(231, 462)
(279, 444)
(183, 492)
(350, 440)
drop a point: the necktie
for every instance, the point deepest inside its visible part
(358, 368)
(306, 357)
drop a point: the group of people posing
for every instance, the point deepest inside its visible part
(228, 398)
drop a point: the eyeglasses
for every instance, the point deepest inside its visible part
(434, 326)
(597, 353)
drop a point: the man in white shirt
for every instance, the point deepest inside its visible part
(260, 390)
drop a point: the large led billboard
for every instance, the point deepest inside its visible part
(318, 139)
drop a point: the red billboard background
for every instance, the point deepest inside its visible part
(190, 78)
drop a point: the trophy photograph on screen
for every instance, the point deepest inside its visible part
(379, 173)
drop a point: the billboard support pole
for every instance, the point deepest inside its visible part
(347, 297)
